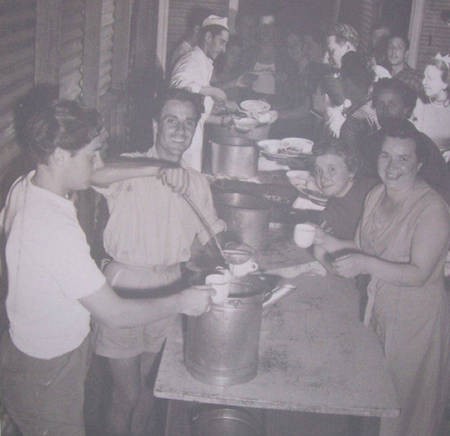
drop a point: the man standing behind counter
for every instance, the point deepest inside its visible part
(54, 284)
(150, 232)
(193, 72)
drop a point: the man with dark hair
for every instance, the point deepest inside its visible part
(151, 231)
(54, 286)
(393, 101)
(397, 56)
(193, 72)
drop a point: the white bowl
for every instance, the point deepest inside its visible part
(296, 145)
(270, 145)
(245, 124)
(255, 106)
(267, 117)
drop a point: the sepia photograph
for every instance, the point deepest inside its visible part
(225, 218)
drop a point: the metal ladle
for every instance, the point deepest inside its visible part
(205, 223)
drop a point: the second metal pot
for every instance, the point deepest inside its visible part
(234, 157)
(247, 217)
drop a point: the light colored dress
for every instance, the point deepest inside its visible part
(433, 119)
(412, 323)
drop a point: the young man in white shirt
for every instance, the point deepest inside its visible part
(54, 286)
(193, 72)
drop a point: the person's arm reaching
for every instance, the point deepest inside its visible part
(110, 309)
(429, 243)
(123, 168)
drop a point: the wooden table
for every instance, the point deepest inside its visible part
(315, 356)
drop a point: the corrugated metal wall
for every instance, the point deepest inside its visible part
(435, 34)
(17, 30)
(71, 49)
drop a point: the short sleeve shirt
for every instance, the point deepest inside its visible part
(49, 269)
(151, 225)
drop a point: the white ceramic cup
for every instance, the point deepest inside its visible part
(304, 234)
(221, 285)
(242, 269)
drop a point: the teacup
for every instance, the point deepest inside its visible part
(221, 285)
(304, 234)
(242, 269)
(236, 256)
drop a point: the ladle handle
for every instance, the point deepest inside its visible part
(205, 223)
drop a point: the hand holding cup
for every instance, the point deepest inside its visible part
(304, 234)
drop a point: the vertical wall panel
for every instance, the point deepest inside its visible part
(71, 56)
(17, 31)
(106, 46)
(435, 34)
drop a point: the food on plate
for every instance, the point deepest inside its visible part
(270, 146)
(296, 146)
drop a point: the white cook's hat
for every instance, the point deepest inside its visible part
(267, 19)
(215, 20)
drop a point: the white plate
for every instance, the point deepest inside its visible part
(295, 146)
(255, 106)
(306, 204)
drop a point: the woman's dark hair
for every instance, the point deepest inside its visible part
(182, 95)
(443, 67)
(396, 86)
(339, 148)
(404, 129)
(60, 124)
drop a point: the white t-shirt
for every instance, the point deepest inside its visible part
(150, 225)
(49, 269)
(193, 71)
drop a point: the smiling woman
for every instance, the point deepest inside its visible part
(402, 242)
(432, 116)
(336, 173)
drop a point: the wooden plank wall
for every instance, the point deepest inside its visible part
(435, 34)
(17, 68)
(72, 29)
(178, 13)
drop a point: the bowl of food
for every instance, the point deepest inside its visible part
(269, 147)
(268, 117)
(255, 107)
(245, 124)
(295, 146)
